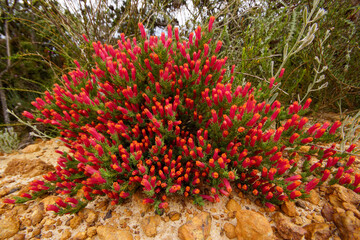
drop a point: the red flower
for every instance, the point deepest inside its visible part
(124, 194)
(293, 178)
(60, 202)
(326, 175)
(163, 205)
(307, 103)
(275, 114)
(293, 185)
(295, 194)
(227, 185)
(339, 172)
(278, 134)
(350, 161)
(357, 180)
(334, 127)
(142, 30)
(52, 208)
(9, 201)
(148, 201)
(270, 206)
(218, 46)
(28, 115)
(311, 185)
(293, 137)
(211, 22)
(352, 146)
(200, 164)
(281, 72)
(71, 200)
(26, 195)
(307, 140)
(272, 172)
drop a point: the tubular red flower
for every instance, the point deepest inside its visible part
(293, 185)
(293, 137)
(295, 194)
(351, 148)
(293, 178)
(278, 134)
(28, 115)
(326, 175)
(320, 132)
(142, 30)
(272, 80)
(26, 195)
(271, 173)
(350, 161)
(52, 208)
(85, 38)
(339, 172)
(148, 201)
(356, 180)
(71, 200)
(221, 162)
(345, 179)
(60, 202)
(9, 201)
(270, 206)
(253, 120)
(315, 166)
(227, 185)
(307, 140)
(311, 185)
(124, 194)
(307, 103)
(211, 22)
(218, 46)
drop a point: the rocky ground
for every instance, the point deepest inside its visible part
(332, 212)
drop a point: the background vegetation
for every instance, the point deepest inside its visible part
(39, 40)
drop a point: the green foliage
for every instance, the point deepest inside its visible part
(167, 117)
(9, 140)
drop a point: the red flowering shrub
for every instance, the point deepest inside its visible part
(162, 114)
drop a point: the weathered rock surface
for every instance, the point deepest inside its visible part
(65, 235)
(37, 214)
(19, 236)
(31, 148)
(318, 231)
(339, 194)
(348, 225)
(149, 225)
(174, 216)
(4, 191)
(229, 230)
(112, 233)
(27, 167)
(252, 225)
(289, 209)
(197, 228)
(314, 197)
(91, 231)
(286, 228)
(9, 226)
(80, 236)
(233, 206)
(75, 222)
(89, 215)
(327, 212)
